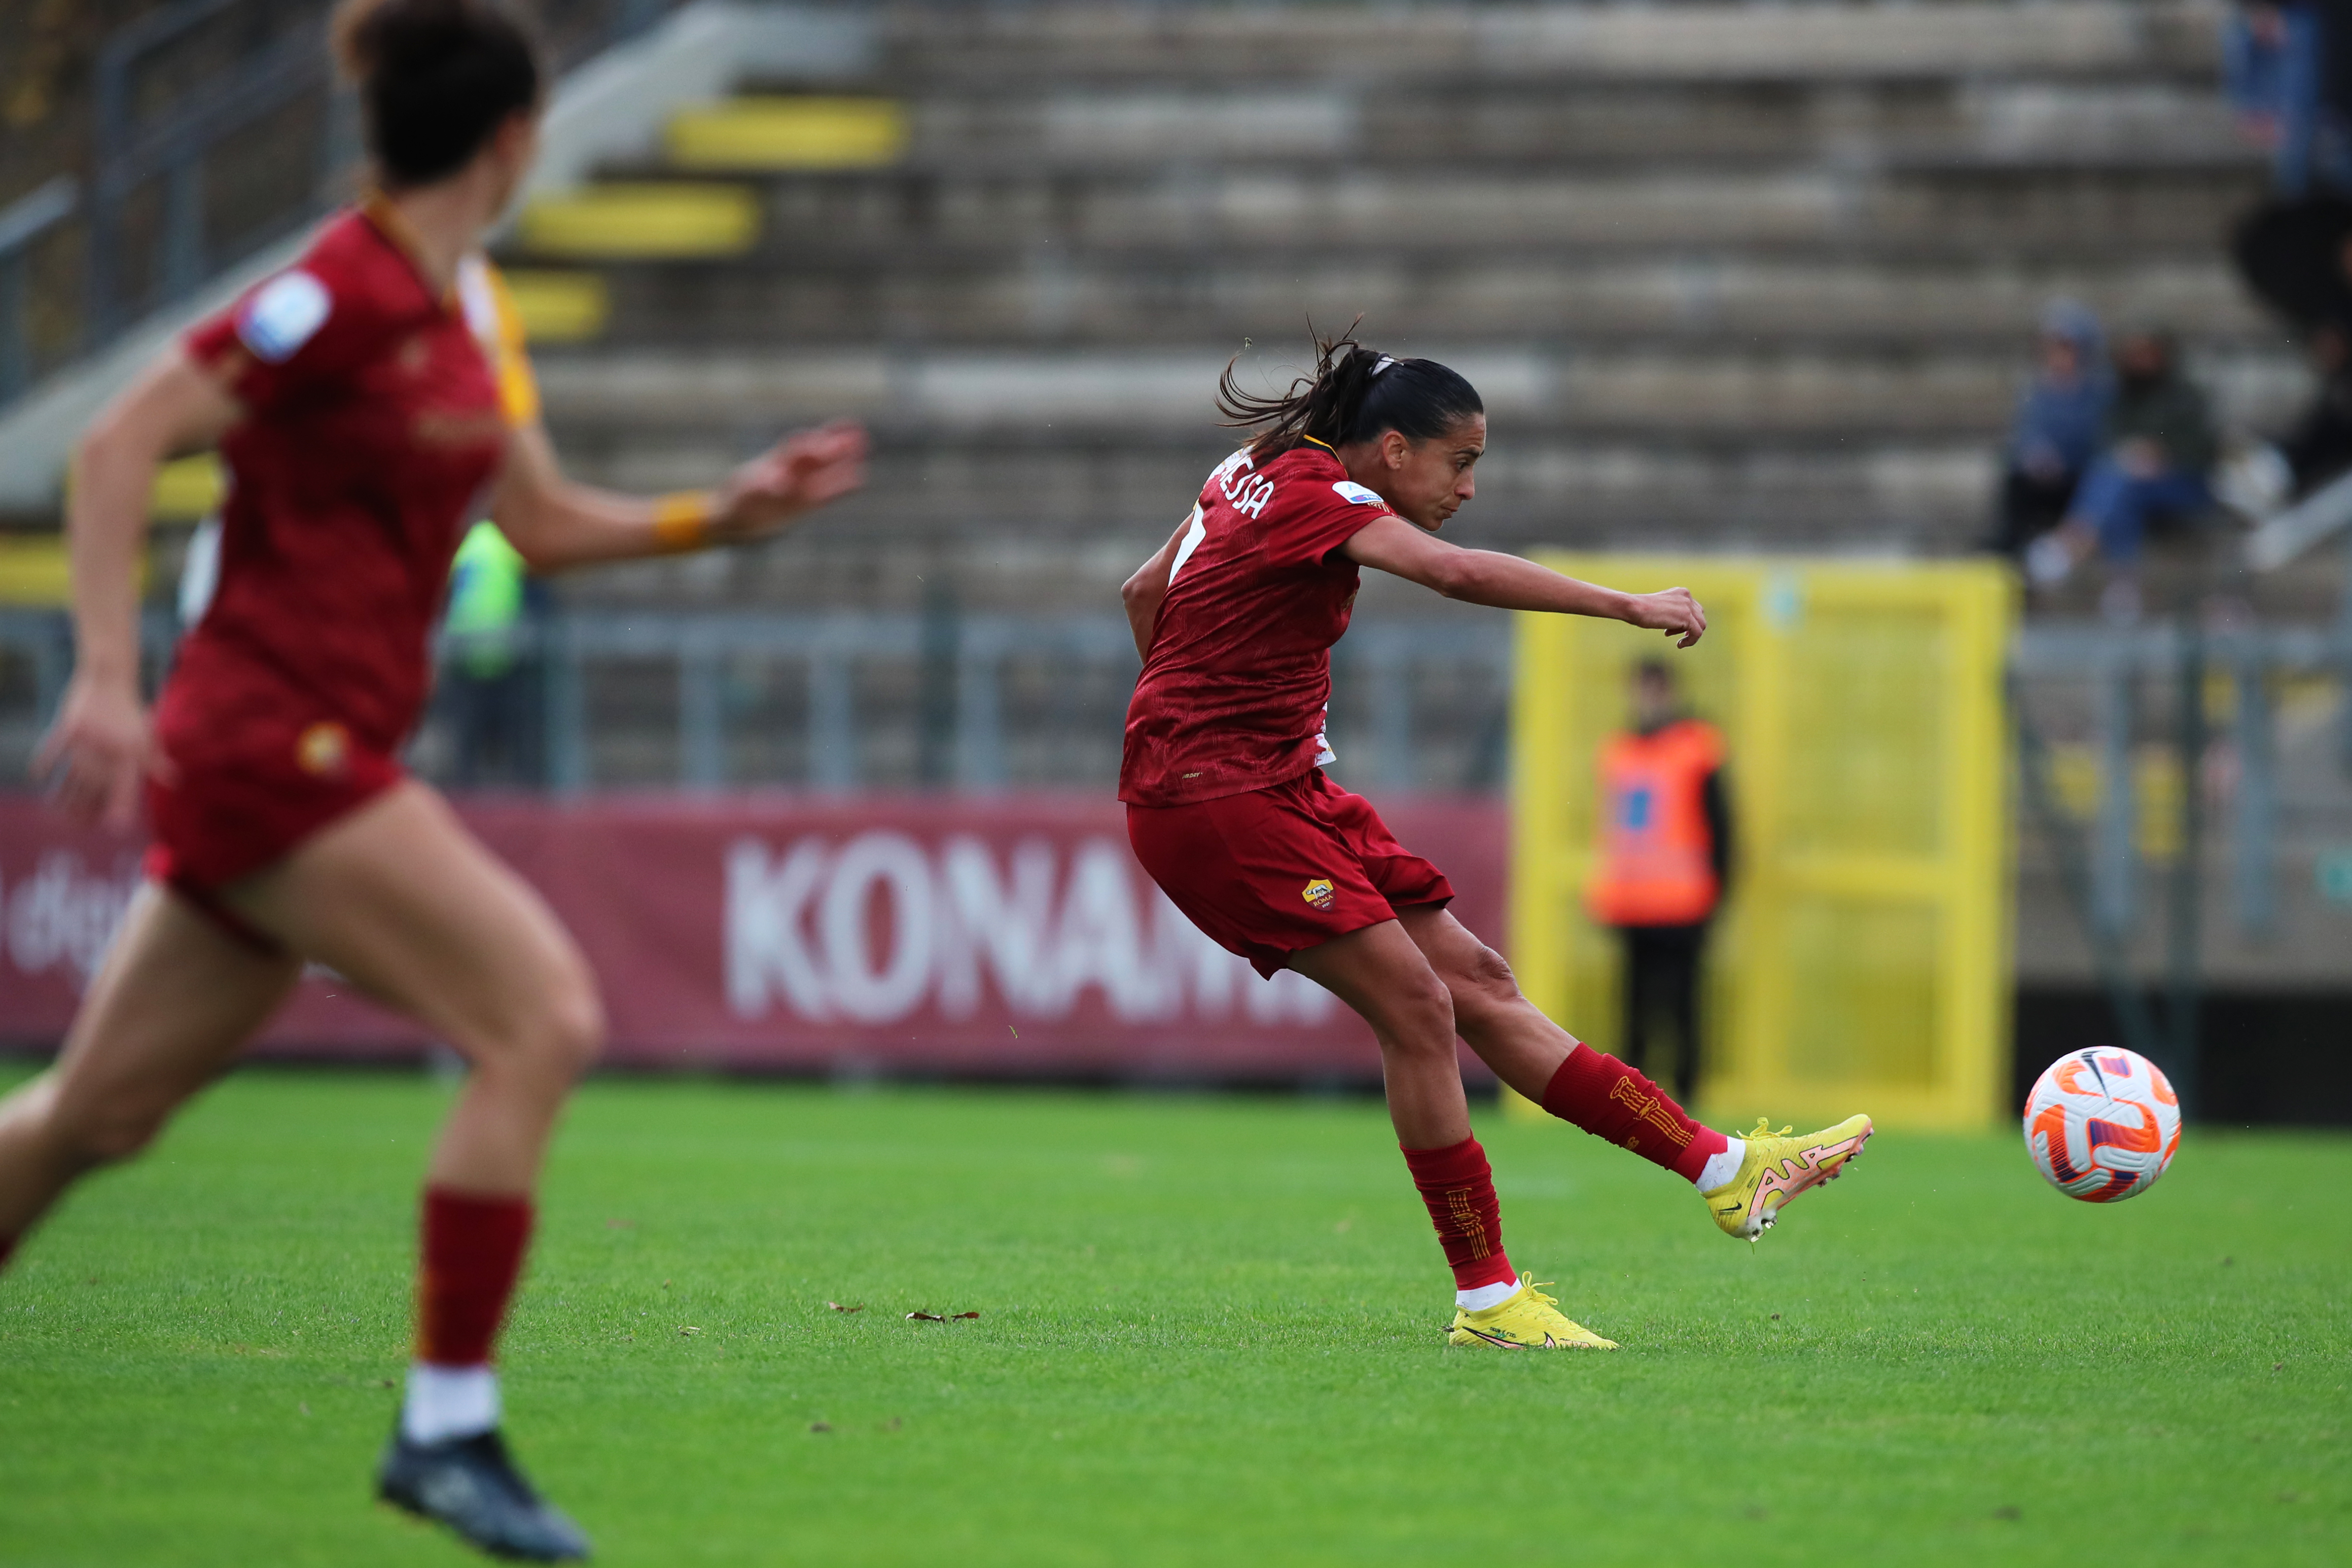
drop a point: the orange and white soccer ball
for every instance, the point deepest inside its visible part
(2101, 1125)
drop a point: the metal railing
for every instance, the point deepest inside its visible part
(959, 662)
(24, 224)
(160, 147)
(965, 655)
(171, 146)
(2152, 690)
(963, 659)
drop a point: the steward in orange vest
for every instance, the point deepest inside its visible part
(1666, 856)
(1665, 836)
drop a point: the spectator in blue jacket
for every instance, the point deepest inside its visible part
(2274, 65)
(2061, 416)
(2159, 443)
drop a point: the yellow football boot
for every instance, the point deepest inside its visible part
(1778, 1167)
(1527, 1319)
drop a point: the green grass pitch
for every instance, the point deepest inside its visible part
(1208, 1335)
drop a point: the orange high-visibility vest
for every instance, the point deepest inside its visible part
(1656, 867)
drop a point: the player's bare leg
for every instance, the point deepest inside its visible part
(175, 1000)
(1380, 974)
(400, 897)
(404, 900)
(1745, 1181)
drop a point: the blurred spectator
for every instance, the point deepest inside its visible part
(2060, 417)
(489, 685)
(1666, 857)
(2274, 72)
(2159, 443)
(2320, 447)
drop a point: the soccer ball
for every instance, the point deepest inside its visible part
(2101, 1125)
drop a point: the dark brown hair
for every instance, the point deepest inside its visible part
(1355, 395)
(437, 79)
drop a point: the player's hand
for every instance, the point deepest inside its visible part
(98, 753)
(1672, 611)
(799, 474)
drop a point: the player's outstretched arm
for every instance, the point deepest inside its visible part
(1511, 583)
(1141, 594)
(555, 522)
(101, 749)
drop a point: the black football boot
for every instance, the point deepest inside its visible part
(472, 1486)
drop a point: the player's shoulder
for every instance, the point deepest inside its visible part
(1305, 480)
(1311, 479)
(348, 279)
(363, 265)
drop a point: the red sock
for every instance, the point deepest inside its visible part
(473, 1250)
(1459, 1188)
(1608, 1099)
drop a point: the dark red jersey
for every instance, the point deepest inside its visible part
(1234, 690)
(373, 425)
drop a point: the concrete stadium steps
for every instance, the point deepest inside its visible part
(1078, 124)
(1727, 274)
(1057, 293)
(1925, 495)
(1041, 399)
(1674, 42)
(1996, 206)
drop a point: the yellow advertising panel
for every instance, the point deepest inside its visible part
(1862, 960)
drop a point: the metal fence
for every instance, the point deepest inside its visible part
(2154, 763)
(842, 701)
(677, 695)
(216, 129)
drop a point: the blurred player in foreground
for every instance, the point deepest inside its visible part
(1229, 809)
(364, 401)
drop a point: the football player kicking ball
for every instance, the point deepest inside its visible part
(1229, 810)
(366, 401)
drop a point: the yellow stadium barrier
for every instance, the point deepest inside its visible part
(1862, 960)
(35, 572)
(559, 307)
(645, 221)
(790, 134)
(188, 489)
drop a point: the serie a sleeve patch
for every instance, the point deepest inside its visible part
(1354, 494)
(282, 315)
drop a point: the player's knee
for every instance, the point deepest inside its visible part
(86, 1139)
(1421, 1015)
(549, 1041)
(571, 1032)
(1484, 982)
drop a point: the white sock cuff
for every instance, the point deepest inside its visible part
(1721, 1168)
(1485, 1296)
(445, 1403)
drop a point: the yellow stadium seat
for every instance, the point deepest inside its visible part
(33, 569)
(36, 570)
(645, 221)
(559, 307)
(790, 134)
(187, 490)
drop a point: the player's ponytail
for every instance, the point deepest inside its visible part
(1355, 395)
(436, 78)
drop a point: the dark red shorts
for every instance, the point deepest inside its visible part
(1277, 870)
(252, 779)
